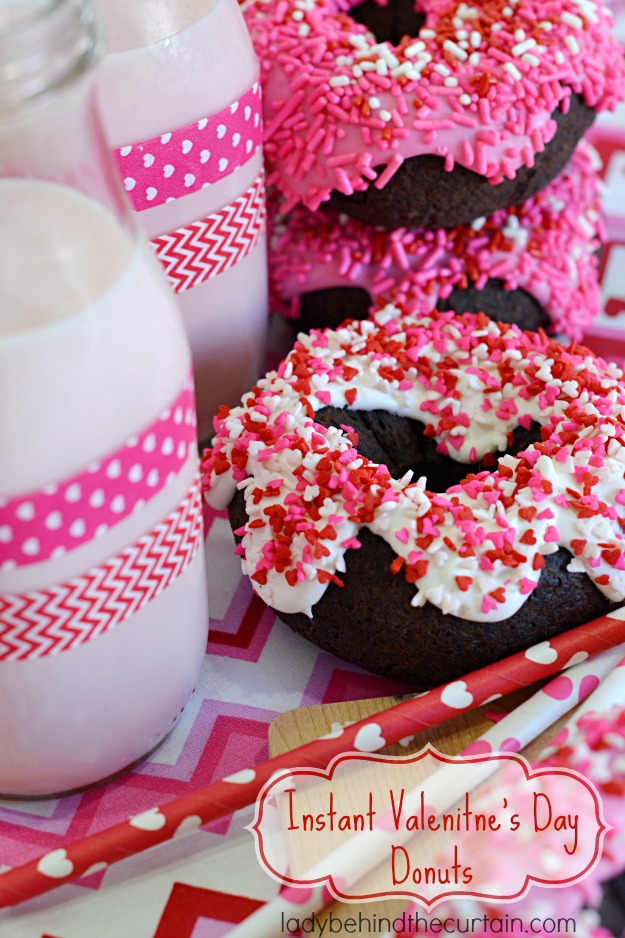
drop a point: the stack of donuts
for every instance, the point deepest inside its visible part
(432, 153)
(423, 487)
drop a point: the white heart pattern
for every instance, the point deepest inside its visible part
(191, 823)
(151, 820)
(205, 156)
(94, 868)
(168, 170)
(369, 738)
(56, 864)
(456, 695)
(151, 193)
(242, 777)
(542, 653)
(223, 162)
(186, 146)
(189, 179)
(148, 159)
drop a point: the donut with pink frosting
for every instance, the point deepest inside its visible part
(477, 110)
(378, 514)
(535, 264)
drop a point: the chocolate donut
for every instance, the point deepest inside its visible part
(424, 579)
(534, 265)
(478, 110)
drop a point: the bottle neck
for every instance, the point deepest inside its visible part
(43, 45)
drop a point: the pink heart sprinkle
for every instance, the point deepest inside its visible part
(560, 688)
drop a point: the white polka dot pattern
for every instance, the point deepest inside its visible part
(184, 160)
(64, 515)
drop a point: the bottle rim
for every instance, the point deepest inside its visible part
(43, 45)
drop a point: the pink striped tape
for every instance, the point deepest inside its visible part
(46, 622)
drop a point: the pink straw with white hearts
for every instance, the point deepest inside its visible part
(362, 853)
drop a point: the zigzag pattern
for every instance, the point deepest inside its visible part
(206, 248)
(45, 622)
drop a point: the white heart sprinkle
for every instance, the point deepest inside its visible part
(248, 146)
(136, 473)
(165, 138)
(234, 107)
(256, 120)
(25, 511)
(221, 130)
(223, 162)
(168, 446)
(97, 499)
(202, 124)
(129, 184)
(457, 696)
(6, 534)
(31, 546)
(54, 521)
(242, 777)
(73, 492)
(247, 112)
(236, 140)
(189, 824)
(56, 864)
(205, 156)
(118, 504)
(369, 738)
(148, 159)
(151, 193)
(189, 179)
(151, 820)
(152, 478)
(168, 170)
(77, 528)
(542, 653)
(125, 151)
(186, 146)
(149, 444)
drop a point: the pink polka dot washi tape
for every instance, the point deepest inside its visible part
(63, 616)
(182, 161)
(62, 516)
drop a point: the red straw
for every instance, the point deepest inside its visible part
(374, 732)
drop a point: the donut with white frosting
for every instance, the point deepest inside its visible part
(412, 576)
(475, 111)
(535, 264)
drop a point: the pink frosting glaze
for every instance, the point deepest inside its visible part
(546, 246)
(477, 86)
(475, 551)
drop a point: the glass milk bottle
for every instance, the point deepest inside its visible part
(181, 107)
(103, 611)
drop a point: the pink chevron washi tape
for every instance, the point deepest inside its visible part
(49, 621)
(206, 248)
(182, 161)
(64, 515)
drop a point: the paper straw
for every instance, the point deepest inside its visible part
(374, 732)
(362, 853)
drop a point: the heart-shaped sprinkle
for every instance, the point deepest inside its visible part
(189, 179)
(234, 107)
(221, 130)
(205, 156)
(168, 170)
(165, 138)
(125, 151)
(236, 140)
(152, 820)
(223, 163)
(202, 124)
(369, 738)
(151, 193)
(186, 146)
(129, 183)
(456, 695)
(148, 159)
(247, 113)
(56, 864)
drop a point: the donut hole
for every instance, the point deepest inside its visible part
(389, 23)
(329, 307)
(401, 445)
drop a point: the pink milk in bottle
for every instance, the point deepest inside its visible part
(103, 610)
(181, 107)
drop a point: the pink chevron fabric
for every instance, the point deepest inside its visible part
(208, 247)
(201, 885)
(50, 621)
